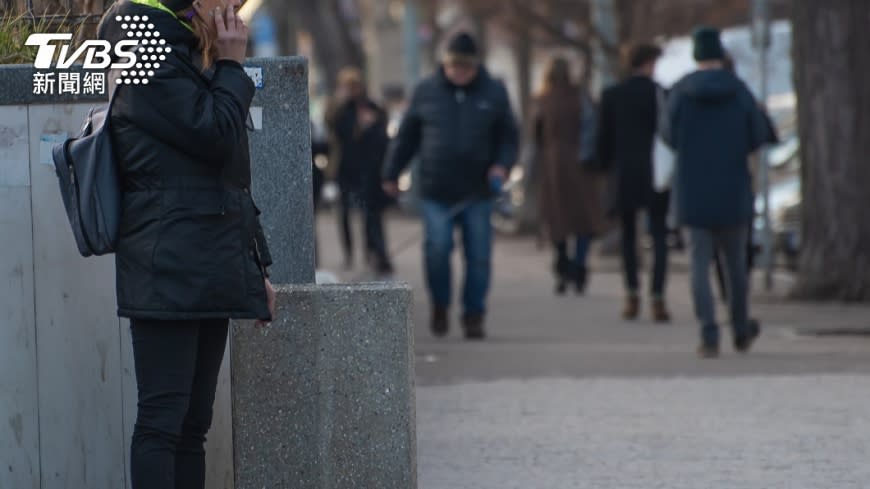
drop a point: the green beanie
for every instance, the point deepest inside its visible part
(708, 45)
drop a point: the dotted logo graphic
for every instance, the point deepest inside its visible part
(150, 52)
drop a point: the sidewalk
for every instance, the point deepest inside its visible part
(566, 394)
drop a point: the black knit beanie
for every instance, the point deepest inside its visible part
(463, 47)
(708, 45)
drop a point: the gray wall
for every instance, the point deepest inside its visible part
(67, 388)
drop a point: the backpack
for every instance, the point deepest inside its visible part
(90, 186)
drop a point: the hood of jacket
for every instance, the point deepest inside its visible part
(710, 85)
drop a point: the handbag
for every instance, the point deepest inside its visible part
(89, 178)
(663, 157)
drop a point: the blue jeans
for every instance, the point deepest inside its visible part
(732, 242)
(440, 220)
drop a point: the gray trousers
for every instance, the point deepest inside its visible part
(732, 242)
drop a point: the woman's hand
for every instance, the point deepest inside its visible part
(270, 300)
(232, 42)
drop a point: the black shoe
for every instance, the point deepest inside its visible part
(563, 269)
(743, 343)
(384, 268)
(440, 322)
(473, 324)
(708, 351)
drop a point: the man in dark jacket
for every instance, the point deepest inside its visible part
(627, 129)
(359, 129)
(714, 124)
(460, 124)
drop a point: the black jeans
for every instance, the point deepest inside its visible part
(376, 242)
(177, 365)
(658, 212)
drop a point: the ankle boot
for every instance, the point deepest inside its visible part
(632, 307)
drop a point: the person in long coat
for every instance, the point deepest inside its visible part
(570, 196)
(626, 132)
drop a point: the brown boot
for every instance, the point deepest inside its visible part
(660, 312)
(632, 308)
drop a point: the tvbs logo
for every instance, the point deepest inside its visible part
(97, 54)
(134, 59)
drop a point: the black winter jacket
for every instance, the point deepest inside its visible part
(714, 124)
(459, 133)
(191, 245)
(362, 152)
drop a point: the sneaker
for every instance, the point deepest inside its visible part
(660, 312)
(708, 351)
(473, 324)
(742, 344)
(632, 308)
(440, 323)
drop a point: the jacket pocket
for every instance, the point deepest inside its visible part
(199, 263)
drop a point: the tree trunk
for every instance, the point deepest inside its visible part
(833, 91)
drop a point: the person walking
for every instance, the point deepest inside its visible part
(461, 125)
(359, 129)
(714, 125)
(191, 252)
(570, 195)
(627, 128)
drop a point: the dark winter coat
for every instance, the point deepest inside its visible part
(191, 245)
(569, 195)
(714, 124)
(459, 133)
(361, 152)
(626, 131)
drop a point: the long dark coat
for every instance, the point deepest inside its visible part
(191, 245)
(569, 195)
(626, 131)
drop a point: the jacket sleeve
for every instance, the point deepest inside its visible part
(603, 145)
(262, 245)
(759, 130)
(407, 141)
(201, 118)
(506, 132)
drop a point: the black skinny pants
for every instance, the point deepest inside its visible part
(177, 365)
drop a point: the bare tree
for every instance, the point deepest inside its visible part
(831, 77)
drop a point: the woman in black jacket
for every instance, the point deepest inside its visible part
(191, 253)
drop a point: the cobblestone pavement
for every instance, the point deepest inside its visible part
(565, 394)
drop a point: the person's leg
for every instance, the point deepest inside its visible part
(560, 265)
(703, 247)
(720, 273)
(733, 242)
(477, 244)
(581, 256)
(165, 358)
(659, 232)
(344, 212)
(376, 238)
(629, 264)
(629, 251)
(438, 246)
(190, 456)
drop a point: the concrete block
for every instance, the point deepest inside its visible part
(324, 396)
(19, 425)
(281, 160)
(79, 356)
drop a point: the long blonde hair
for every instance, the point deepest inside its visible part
(205, 32)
